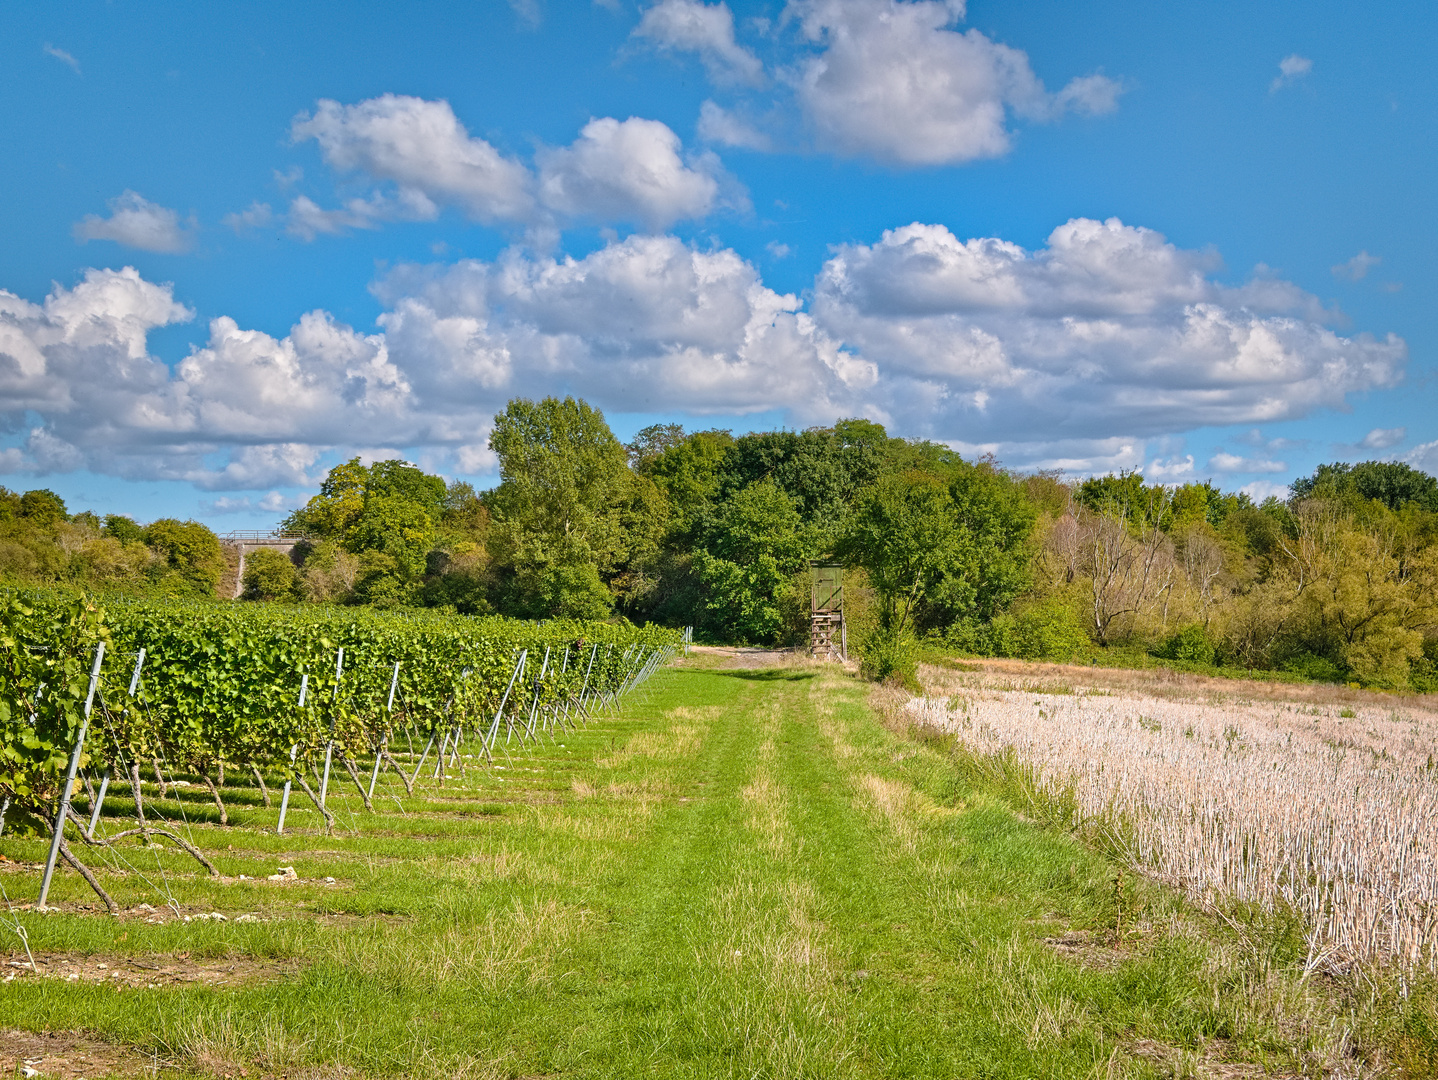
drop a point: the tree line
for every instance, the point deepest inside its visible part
(705, 528)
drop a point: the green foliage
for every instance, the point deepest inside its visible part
(192, 560)
(221, 682)
(688, 471)
(338, 505)
(905, 533)
(890, 656)
(124, 529)
(752, 547)
(1048, 630)
(558, 510)
(43, 506)
(46, 653)
(942, 552)
(1190, 645)
(395, 526)
(1392, 483)
(270, 575)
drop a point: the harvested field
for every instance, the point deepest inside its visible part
(1323, 807)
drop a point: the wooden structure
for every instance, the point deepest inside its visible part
(828, 636)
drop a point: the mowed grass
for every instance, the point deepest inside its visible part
(743, 873)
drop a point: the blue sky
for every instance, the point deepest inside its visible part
(244, 242)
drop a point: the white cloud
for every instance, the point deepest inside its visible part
(894, 82)
(257, 215)
(1175, 470)
(80, 361)
(307, 219)
(422, 148)
(1108, 329)
(1259, 490)
(1255, 438)
(628, 171)
(705, 29)
(719, 125)
(272, 503)
(1425, 457)
(136, 222)
(642, 325)
(1231, 463)
(1073, 357)
(62, 56)
(1383, 438)
(1074, 457)
(1290, 69)
(530, 12)
(1356, 268)
(778, 250)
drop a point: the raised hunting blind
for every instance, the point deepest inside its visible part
(827, 635)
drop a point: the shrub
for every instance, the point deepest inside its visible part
(892, 658)
(270, 575)
(1046, 631)
(1191, 645)
(1315, 667)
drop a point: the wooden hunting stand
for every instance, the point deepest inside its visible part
(827, 635)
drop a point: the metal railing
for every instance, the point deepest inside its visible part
(254, 536)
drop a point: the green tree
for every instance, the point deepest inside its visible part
(270, 575)
(905, 533)
(123, 529)
(396, 526)
(338, 506)
(557, 527)
(43, 507)
(190, 552)
(688, 472)
(1391, 483)
(752, 548)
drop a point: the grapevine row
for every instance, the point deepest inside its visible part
(282, 690)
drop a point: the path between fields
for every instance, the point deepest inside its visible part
(745, 874)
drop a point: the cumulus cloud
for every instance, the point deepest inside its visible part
(615, 171)
(1290, 69)
(424, 150)
(628, 170)
(80, 361)
(1232, 463)
(719, 125)
(1175, 470)
(645, 324)
(136, 222)
(1383, 438)
(1071, 357)
(1424, 456)
(1108, 329)
(1356, 268)
(894, 81)
(1259, 490)
(704, 29)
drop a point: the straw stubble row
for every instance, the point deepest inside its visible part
(1268, 803)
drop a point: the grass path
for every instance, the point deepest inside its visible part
(744, 875)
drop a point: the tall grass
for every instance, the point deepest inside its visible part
(1272, 804)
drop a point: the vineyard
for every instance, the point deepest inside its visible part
(90, 695)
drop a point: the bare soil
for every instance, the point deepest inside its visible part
(71, 1055)
(1159, 682)
(145, 972)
